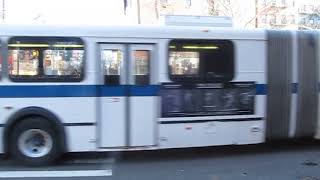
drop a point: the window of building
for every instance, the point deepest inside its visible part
(273, 19)
(304, 8)
(283, 19)
(45, 59)
(264, 19)
(201, 60)
(264, 2)
(311, 8)
(292, 19)
(164, 1)
(272, 2)
(311, 21)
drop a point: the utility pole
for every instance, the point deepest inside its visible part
(257, 11)
(3, 10)
(138, 12)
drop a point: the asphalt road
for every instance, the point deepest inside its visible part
(283, 161)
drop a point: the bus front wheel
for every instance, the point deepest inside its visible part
(34, 141)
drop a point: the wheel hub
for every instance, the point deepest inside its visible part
(35, 143)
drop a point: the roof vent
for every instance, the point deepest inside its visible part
(204, 21)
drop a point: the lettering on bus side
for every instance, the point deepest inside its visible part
(184, 100)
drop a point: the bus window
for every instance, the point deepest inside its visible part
(23, 62)
(184, 63)
(201, 60)
(112, 60)
(45, 59)
(142, 66)
(63, 62)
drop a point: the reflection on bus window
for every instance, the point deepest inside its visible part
(23, 62)
(184, 63)
(201, 60)
(112, 60)
(141, 58)
(63, 62)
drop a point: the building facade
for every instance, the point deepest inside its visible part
(309, 14)
(288, 14)
(151, 10)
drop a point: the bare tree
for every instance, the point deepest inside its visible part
(232, 8)
(156, 8)
(212, 9)
(243, 15)
(221, 7)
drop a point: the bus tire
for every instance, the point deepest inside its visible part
(34, 141)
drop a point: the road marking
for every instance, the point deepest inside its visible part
(91, 161)
(47, 174)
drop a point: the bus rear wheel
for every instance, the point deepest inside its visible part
(34, 141)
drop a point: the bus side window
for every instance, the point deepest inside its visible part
(201, 60)
(46, 59)
(112, 60)
(142, 67)
(23, 62)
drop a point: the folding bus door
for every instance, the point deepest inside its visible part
(143, 96)
(113, 96)
(128, 98)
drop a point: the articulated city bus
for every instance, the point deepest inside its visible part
(81, 89)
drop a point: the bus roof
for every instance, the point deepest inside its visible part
(138, 31)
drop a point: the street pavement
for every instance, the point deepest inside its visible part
(283, 161)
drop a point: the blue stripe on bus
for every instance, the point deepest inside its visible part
(150, 90)
(77, 91)
(93, 90)
(49, 91)
(129, 90)
(261, 89)
(112, 91)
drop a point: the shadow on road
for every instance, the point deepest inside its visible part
(217, 152)
(221, 151)
(201, 152)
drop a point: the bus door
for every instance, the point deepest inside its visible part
(128, 98)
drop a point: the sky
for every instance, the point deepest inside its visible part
(66, 12)
(82, 12)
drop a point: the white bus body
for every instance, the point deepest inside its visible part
(98, 117)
